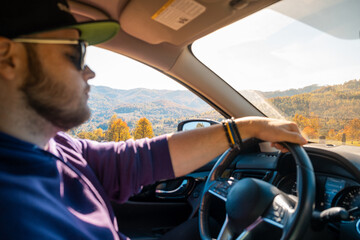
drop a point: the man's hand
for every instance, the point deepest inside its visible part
(270, 130)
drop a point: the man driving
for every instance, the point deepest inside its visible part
(54, 186)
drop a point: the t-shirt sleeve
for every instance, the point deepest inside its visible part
(124, 167)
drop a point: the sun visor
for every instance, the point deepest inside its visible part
(324, 13)
(180, 22)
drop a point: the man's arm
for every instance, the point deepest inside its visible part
(192, 149)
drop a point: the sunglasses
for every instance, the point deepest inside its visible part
(79, 62)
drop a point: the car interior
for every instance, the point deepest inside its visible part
(316, 188)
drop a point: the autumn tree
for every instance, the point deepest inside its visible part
(200, 125)
(112, 120)
(315, 124)
(83, 135)
(118, 131)
(352, 129)
(301, 121)
(332, 123)
(96, 135)
(143, 129)
(332, 134)
(310, 126)
(99, 135)
(310, 132)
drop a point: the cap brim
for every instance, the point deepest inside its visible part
(97, 32)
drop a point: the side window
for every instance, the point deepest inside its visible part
(131, 100)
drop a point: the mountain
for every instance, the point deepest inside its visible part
(340, 101)
(291, 92)
(130, 105)
(142, 95)
(159, 108)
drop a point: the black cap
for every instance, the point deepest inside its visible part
(22, 17)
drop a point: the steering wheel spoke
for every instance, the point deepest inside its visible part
(225, 232)
(260, 229)
(280, 211)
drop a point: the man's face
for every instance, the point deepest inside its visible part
(54, 87)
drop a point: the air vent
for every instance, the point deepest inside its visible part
(258, 174)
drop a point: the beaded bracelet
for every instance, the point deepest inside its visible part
(232, 133)
(227, 130)
(237, 136)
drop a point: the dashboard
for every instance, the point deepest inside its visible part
(337, 182)
(337, 176)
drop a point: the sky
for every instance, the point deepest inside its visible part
(267, 51)
(270, 51)
(120, 72)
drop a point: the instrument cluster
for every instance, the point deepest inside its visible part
(349, 198)
(331, 192)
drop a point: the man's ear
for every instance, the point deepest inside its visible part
(7, 66)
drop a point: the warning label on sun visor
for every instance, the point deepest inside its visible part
(177, 13)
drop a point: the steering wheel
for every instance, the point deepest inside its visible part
(255, 209)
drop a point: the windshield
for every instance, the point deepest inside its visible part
(301, 58)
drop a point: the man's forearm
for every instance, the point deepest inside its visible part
(192, 149)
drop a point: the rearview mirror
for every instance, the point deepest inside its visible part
(195, 123)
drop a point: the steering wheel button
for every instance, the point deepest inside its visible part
(276, 214)
(275, 206)
(237, 175)
(282, 214)
(224, 193)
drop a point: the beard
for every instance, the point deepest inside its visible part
(52, 100)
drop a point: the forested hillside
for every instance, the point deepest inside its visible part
(163, 108)
(327, 102)
(333, 108)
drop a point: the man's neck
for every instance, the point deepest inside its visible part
(28, 127)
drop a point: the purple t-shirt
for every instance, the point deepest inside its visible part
(64, 193)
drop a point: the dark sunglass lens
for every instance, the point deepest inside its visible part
(83, 54)
(80, 56)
